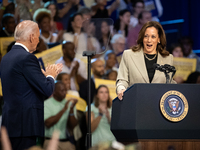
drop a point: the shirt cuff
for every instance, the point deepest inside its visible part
(120, 87)
(51, 77)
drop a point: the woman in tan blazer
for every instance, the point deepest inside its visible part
(137, 63)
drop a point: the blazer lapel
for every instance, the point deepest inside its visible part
(138, 59)
(157, 72)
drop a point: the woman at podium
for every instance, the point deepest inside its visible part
(137, 64)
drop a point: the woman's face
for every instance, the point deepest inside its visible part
(45, 24)
(103, 94)
(150, 40)
(10, 25)
(177, 52)
(111, 61)
(139, 7)
(66, 81)
(126, 18)
(104, 28)
(52, 8)
(78, 22)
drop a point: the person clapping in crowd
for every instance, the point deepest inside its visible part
(101, 116)
(60, 114)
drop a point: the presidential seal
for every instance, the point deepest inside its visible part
(174, 106)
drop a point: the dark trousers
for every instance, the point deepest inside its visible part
(22, 143)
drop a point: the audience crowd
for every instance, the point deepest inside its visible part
(106, 28)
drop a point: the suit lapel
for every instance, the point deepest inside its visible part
(157, 72)
(138, 59)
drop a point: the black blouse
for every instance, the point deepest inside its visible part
(149, 65)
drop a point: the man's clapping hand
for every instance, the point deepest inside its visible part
(53, 70)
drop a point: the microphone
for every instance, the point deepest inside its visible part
(159, 67)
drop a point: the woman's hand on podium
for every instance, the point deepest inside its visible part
(120, 94)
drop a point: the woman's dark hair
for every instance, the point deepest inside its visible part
(97, 100)
(173, 46)
(117, 23)
(40, 14)
(60, 75)
(6, 17)
(47, 4)
(71, 19)
(192, 78)
(161, 47)
(137, 1)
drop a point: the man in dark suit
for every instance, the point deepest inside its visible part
(25, 87)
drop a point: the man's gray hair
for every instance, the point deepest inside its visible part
(116, 37)
(24, 29)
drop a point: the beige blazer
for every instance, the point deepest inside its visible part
(133, 70)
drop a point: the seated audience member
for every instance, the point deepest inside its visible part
(105, 38)
(6, 7)
(122, 24)
(98, 73)
(41, 46)
(176, 50)
(111, 75)
(66, 9)
(56, 25)
(186, 44)
(133, 33)
(118, 42)
(86, 13)
(71, 65)
(78, 132)
(43, 17)
(111, 60)
(101, 116)
(8, 24)
(138, 7)
(83, 41)
(193, 78)
(60, 114)
(100, 11)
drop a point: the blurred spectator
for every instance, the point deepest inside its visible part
(111, 60)
(24, 10)
(98, 68)
(100, 11)
(55, 24)
(64, 78)
(155, 7)
(98, 73)
(138, 7)
(72, 66)
(111, 75)
(101, 116)
(86, 13)
(105, 36)
(133, 34)
(66, 9)
(9, 25)
(6, 7)
(176, 50)
(186, 44)
(122, 24)
(43, 17)
(194, 78)
(41, 46)
(81, 40)
(118, 42)
(59, 114)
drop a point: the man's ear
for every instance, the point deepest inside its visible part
(31, 38)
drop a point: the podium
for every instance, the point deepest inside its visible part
(138, 117)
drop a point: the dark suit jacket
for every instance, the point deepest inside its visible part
(24, 90)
